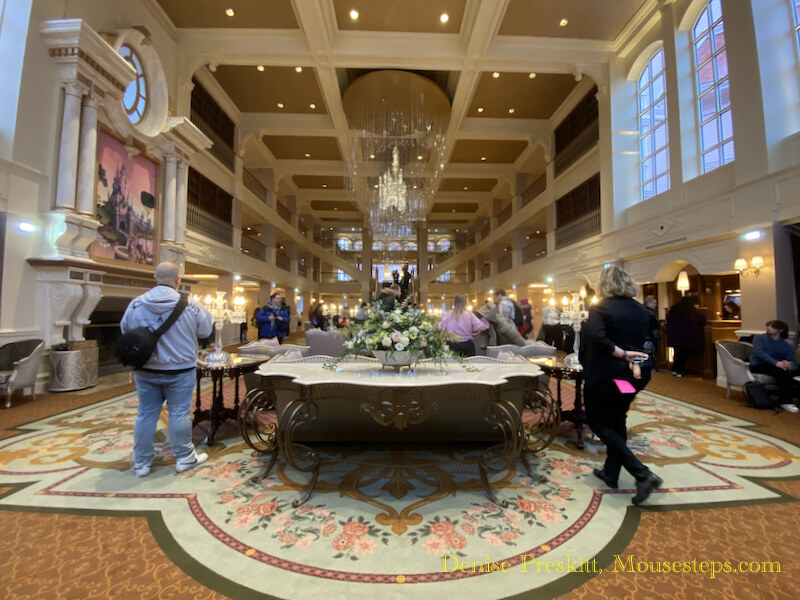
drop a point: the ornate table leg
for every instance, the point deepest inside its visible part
(545, 421)
(258, 431)
(502, 415)
(579, 408)
(197, 409)
(305, 459)
(216, 414)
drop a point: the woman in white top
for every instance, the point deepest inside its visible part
(463, 324)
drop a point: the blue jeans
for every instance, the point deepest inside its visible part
(153, 389)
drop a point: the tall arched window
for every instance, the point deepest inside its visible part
(713, 88)
(653, 137)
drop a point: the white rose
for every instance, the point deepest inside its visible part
(386, 324)
(399, 346)
(386, 342)
(404, 340)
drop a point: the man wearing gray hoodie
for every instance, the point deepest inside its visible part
(169, 374)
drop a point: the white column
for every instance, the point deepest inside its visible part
(180, 201)
(168, 231)
(87, 157)
(68, 151)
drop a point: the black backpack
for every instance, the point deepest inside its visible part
(757, 395)
(135, 347)
(518, 317)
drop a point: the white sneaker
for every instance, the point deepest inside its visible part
(792, 408)
(190, 462)
(142, 471)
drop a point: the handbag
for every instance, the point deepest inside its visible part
(135, 347)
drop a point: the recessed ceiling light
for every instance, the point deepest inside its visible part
(308, 155)
(298, 69)
(483, 158)
(324, 185)
(419, 157)
(260, 67)
(511, 111)
(354, 15)
(495, 74)
(280, 104)
(538, 232)
(480, 109)
(312, 106)
(466, 187)
(229, 12)
(454, 210)
(531, 75)
(375, 186)
(563, 22)
(372, 156)
(415, 187)
(335, 208)
(444, 18)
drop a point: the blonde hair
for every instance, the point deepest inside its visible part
(459, 304)
(617, 282)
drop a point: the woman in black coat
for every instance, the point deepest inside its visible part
(611, 340)
(685, 334)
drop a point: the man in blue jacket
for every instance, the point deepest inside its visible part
(169, 374)
(273, 319)
(773, 355)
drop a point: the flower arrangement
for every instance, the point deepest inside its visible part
(402, 329)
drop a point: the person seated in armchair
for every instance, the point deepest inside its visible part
(501, 330)
(464, 325)
(774, 356)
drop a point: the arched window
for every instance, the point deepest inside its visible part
(713, 88)
(395, 247)
(653, 137)
(342, 276)
(444, 245)
(135, 99)
(431, 246)
(358, 245)
(377, 245)
(343, 243)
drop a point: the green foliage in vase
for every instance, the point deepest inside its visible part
(403, 329)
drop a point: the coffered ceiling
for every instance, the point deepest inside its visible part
(506, 66)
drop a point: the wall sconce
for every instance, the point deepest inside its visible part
(683, 282)
(756, 264)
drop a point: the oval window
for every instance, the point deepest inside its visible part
(135, 99)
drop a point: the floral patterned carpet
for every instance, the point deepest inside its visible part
(392, 523)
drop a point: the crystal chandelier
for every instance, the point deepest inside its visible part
(397, 153)
(392, 194)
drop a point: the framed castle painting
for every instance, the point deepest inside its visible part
(126, 204)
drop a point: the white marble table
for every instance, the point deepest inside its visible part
(393, 399)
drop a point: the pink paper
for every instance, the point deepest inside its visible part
(625, 387)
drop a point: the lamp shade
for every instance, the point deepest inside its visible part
(683, 282)
(757, 262)
(740, 264)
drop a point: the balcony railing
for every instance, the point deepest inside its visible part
(534, 251)
(485, 231)
(253, 248)
(200, 221)
(534, 189)
(504, 215)
(579, 229)
(220, 150)
(504, 264)
(284, 213)
(283, 262)
(455, 278)
(252, 183)
(486, 271)
(585, 141)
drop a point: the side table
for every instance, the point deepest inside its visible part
(219, 413)
(555, 367)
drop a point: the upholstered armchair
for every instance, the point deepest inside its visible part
(324, 342)
(19, 363)
(735, 359)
